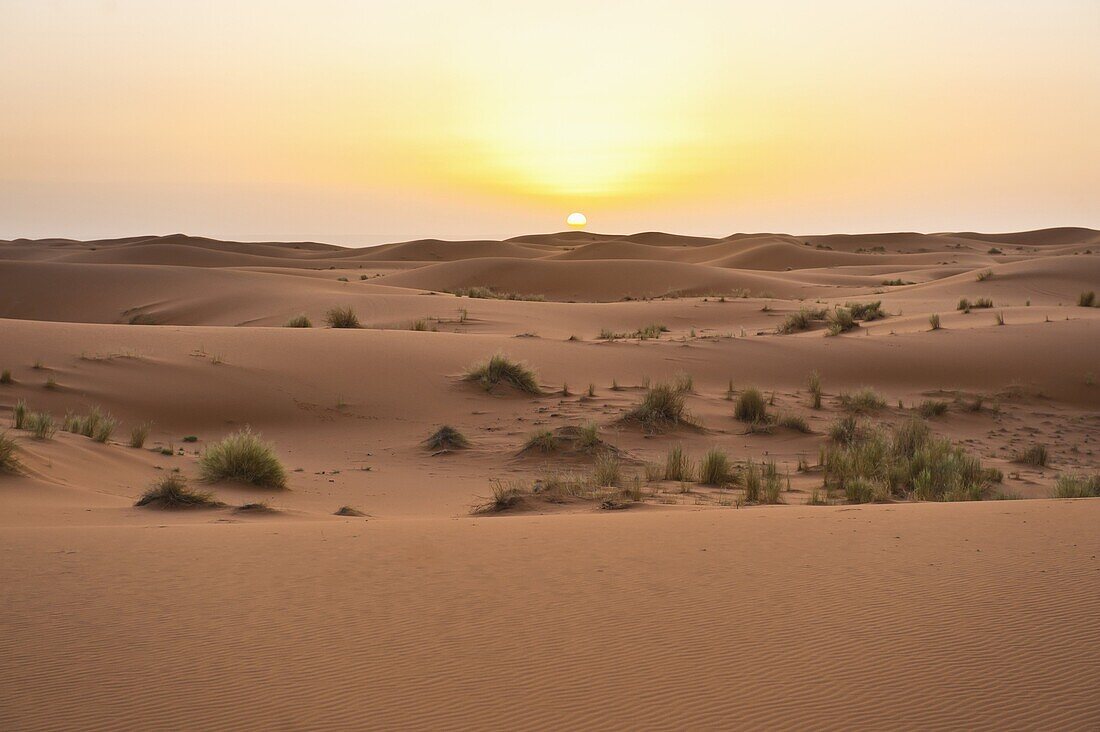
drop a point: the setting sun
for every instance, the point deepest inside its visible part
(577, 220)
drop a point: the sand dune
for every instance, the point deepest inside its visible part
(556, 613)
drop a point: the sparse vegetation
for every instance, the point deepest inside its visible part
(501, 370)
(863, 401)
(815, 390)
(845, 430)
(982, 302)
(5, 377)
(750, 406)
(9, 461)
(1033, 455)
(40, 424)
(795, 422)
(841, 320)
(1000, 317)
(932, 408)
(653, 330)
(343, 317)
(588, 437)
(1086, 299)
(802, 320)
(299, 321)
(661, 408)
(984, 275)
(1077, 486)
(447, 438)
(715, 468)
(542, 441)
(934, 321)
(506, 494)
(138, 434)
(172, 492)
(487, 293)
(866, 311)
(607, 470)
(683, 382)
(19, 414)
(243, 456)
(895, 283)
(678, 466)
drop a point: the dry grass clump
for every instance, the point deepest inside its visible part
(542, 441)
(802, 320)
(932, 408)
(795, 422)
(9, 461)
(684, 382)
(40, 424)
(501, 370)
(342, 318)
(815, 390)
(841, 320)
(762, 482)
(138, 435)
(862, 401)
(982, 302)
(678, 466)
(1086, 299)
(1077, 486)
(299, 321)
(905, 461)
(5, 377)
(715, 469)
(1000, 317)
(607, 471)
(588, 437)
(19, 414)
(845, 430)
(172, 492)
(866, 311)
(661, 408)
(934, 321)
(447, 438)
(506, 495)
(984, 275)
(1033, 455)
(243, 456)
(653, 330)
(96, 425)
(751, 406)
(348, 511)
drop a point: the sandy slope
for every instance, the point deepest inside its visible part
(683, 612)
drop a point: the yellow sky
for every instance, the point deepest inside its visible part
(358, 122)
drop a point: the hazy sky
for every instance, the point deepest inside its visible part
(358, 122)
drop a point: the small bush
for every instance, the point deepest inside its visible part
(243, 456)
(932, 408)
(863, 401)
(138, 435)
(661, 408)
(1077, 486)
(750, 406)
(543, 441)
(447, 438)
(588, 437)
(802, 320)
(19, 414)
(715, 468)
(505, 495)
(934, 321)
(678, 466)
(9, 461)
(1086, 299)
(500, 370)
(607, 471)
(342, 318)
(866, 310)
(172, 492)
(191, 438)
(299, 321)
(1033, 455)
(841, 320)
(5, 377)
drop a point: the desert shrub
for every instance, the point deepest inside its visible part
(542, 441)
(715, 468)
(506, 494)
(845, 430)
(1077, 486)
(342, 318)
(802, 320)
(5, 377)
(138, 435)
(9, 461)
(984, 275)
(661, 408)
(862, 401)
(40, 424)
(447, 438)
(607, 470)
(172, 492)
(1086, 299)
(243, 456)
(750, 406)
(932, 408)
(487, 293)
(1033, 455)
(588, 437)
(815, 390)
(501, 370)
(841, 320)
(19, 414)
(678, 466)
(866, 310)
(795, 422)
(934, 321)
(299, 321)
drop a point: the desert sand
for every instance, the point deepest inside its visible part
(690, 608)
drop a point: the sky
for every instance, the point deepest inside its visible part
(363, 122)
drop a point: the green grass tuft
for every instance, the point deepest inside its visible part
(715, 469)
(796, 423)
(815, 390)
(542, 441)
(299, 321)
(506, 495)
(841, 320)
(9, 461)
(750, 406)
(862, 401)
(678, 466)
(19, 414)
(934, 321)
(243, 456)
(932, 408)
(5, 377)
(1033, 455)
(607, 471)
(342, 318)
(661, 408)
(138, 435)
(501, 370)
(1077, 486)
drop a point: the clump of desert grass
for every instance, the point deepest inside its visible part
(244, 457)
(1000, 317)
(934, 321)
(138, 434)
(794, 422)
(9, 460)
(1033, 455)
(505, 495)
(662, 407)
(96, 425)
(256, 507)
(762, 482)
(1077, 486)
(588, 437)
(5, 377)
(487, 293)
(542, 441)
(343, 317)
(607, 471)
(984, 275)
(172, 492)
(446, 438)
(501, 370)
(982, 302)
(863, 401)
(678, 466)
(802, 320)
(19, 414)
(815, 390)
(906, 461)
(751, 406)
(866, 311)
(683, 382)
(932, 408)
(299, 321)
(846, 430)
(715, 468)
(841, 320)
(1086, 299)
(348, 511)
(653, 330)
(40, 424)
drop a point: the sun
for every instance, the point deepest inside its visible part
(577, 220)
